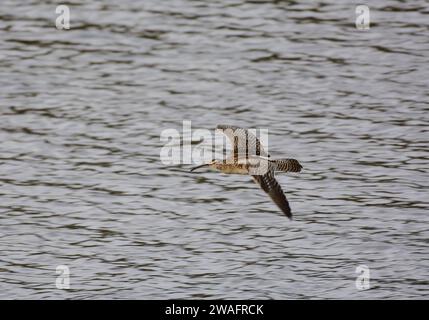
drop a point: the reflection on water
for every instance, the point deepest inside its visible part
(81, 180)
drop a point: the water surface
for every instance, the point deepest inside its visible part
(82, 184)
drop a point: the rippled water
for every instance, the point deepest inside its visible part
(82, 184)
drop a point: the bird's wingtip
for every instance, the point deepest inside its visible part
(288, 214)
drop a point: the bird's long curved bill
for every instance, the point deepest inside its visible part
(197, 167)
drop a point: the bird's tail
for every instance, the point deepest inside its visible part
(287, 165)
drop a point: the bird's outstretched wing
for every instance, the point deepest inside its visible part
(270, 185)
(243, 142)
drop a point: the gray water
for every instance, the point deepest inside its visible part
(82, 183)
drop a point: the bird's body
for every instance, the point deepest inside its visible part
(231, 168)
(239, 165)
(258, 165)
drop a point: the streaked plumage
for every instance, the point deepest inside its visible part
(242, 140)
(255, 163)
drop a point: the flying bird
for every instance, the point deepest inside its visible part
(258, 164)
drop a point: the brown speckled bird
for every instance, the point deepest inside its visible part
(258, 165)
